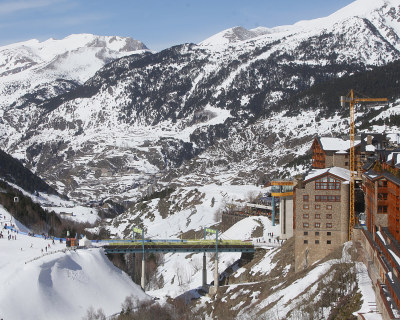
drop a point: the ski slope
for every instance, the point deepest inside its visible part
(57, 283)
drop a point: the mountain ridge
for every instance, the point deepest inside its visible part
(358, 8)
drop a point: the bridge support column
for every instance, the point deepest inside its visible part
(214, 289)
(204, 270)
(142, 280)
(216, 277)
(273, 211)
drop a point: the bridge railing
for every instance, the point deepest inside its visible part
(137, 240)
(182, 242)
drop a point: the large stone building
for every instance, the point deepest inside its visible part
(321, 214)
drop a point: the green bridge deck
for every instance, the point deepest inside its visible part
(179, 246)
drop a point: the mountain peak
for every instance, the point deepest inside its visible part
(234, 34)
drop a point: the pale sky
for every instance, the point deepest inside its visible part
(157, 23)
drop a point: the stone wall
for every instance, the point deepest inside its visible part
(340, 160)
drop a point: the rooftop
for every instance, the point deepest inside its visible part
(339, 172)
(336, 144)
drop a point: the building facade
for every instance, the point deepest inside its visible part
(381, 186)
(321, 225)
(375, 188)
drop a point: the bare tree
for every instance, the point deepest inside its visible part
(91, 314)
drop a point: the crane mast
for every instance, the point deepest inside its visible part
(352, 101)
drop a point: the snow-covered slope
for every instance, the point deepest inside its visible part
(54, 283)
(234, 35)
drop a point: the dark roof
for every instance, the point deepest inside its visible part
(391, 177)
(369, 164)
(373, 175)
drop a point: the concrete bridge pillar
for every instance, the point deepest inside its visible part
(216, 277)
(142, 280)
(204, 270)
(273, 210)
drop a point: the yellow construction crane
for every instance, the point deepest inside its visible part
(352, 100)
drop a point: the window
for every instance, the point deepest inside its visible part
(382, 183)
(346, 163)
(306, 233)
(329, 225)
(306, 206)
(382, 209)
(328, 241)
(329, 207)
(305, 225)
(317, 216)
(317, 225)
(329, 216)
(323, 198)
(327, 183)
(317, 233)
(346, 156)
(317, 206)
(305, 215)
(328, 233)
(305, 241)
(382, 196)
(306, 198)
(316, 241)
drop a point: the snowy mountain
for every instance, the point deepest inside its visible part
(33, 71)
(216, 112)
